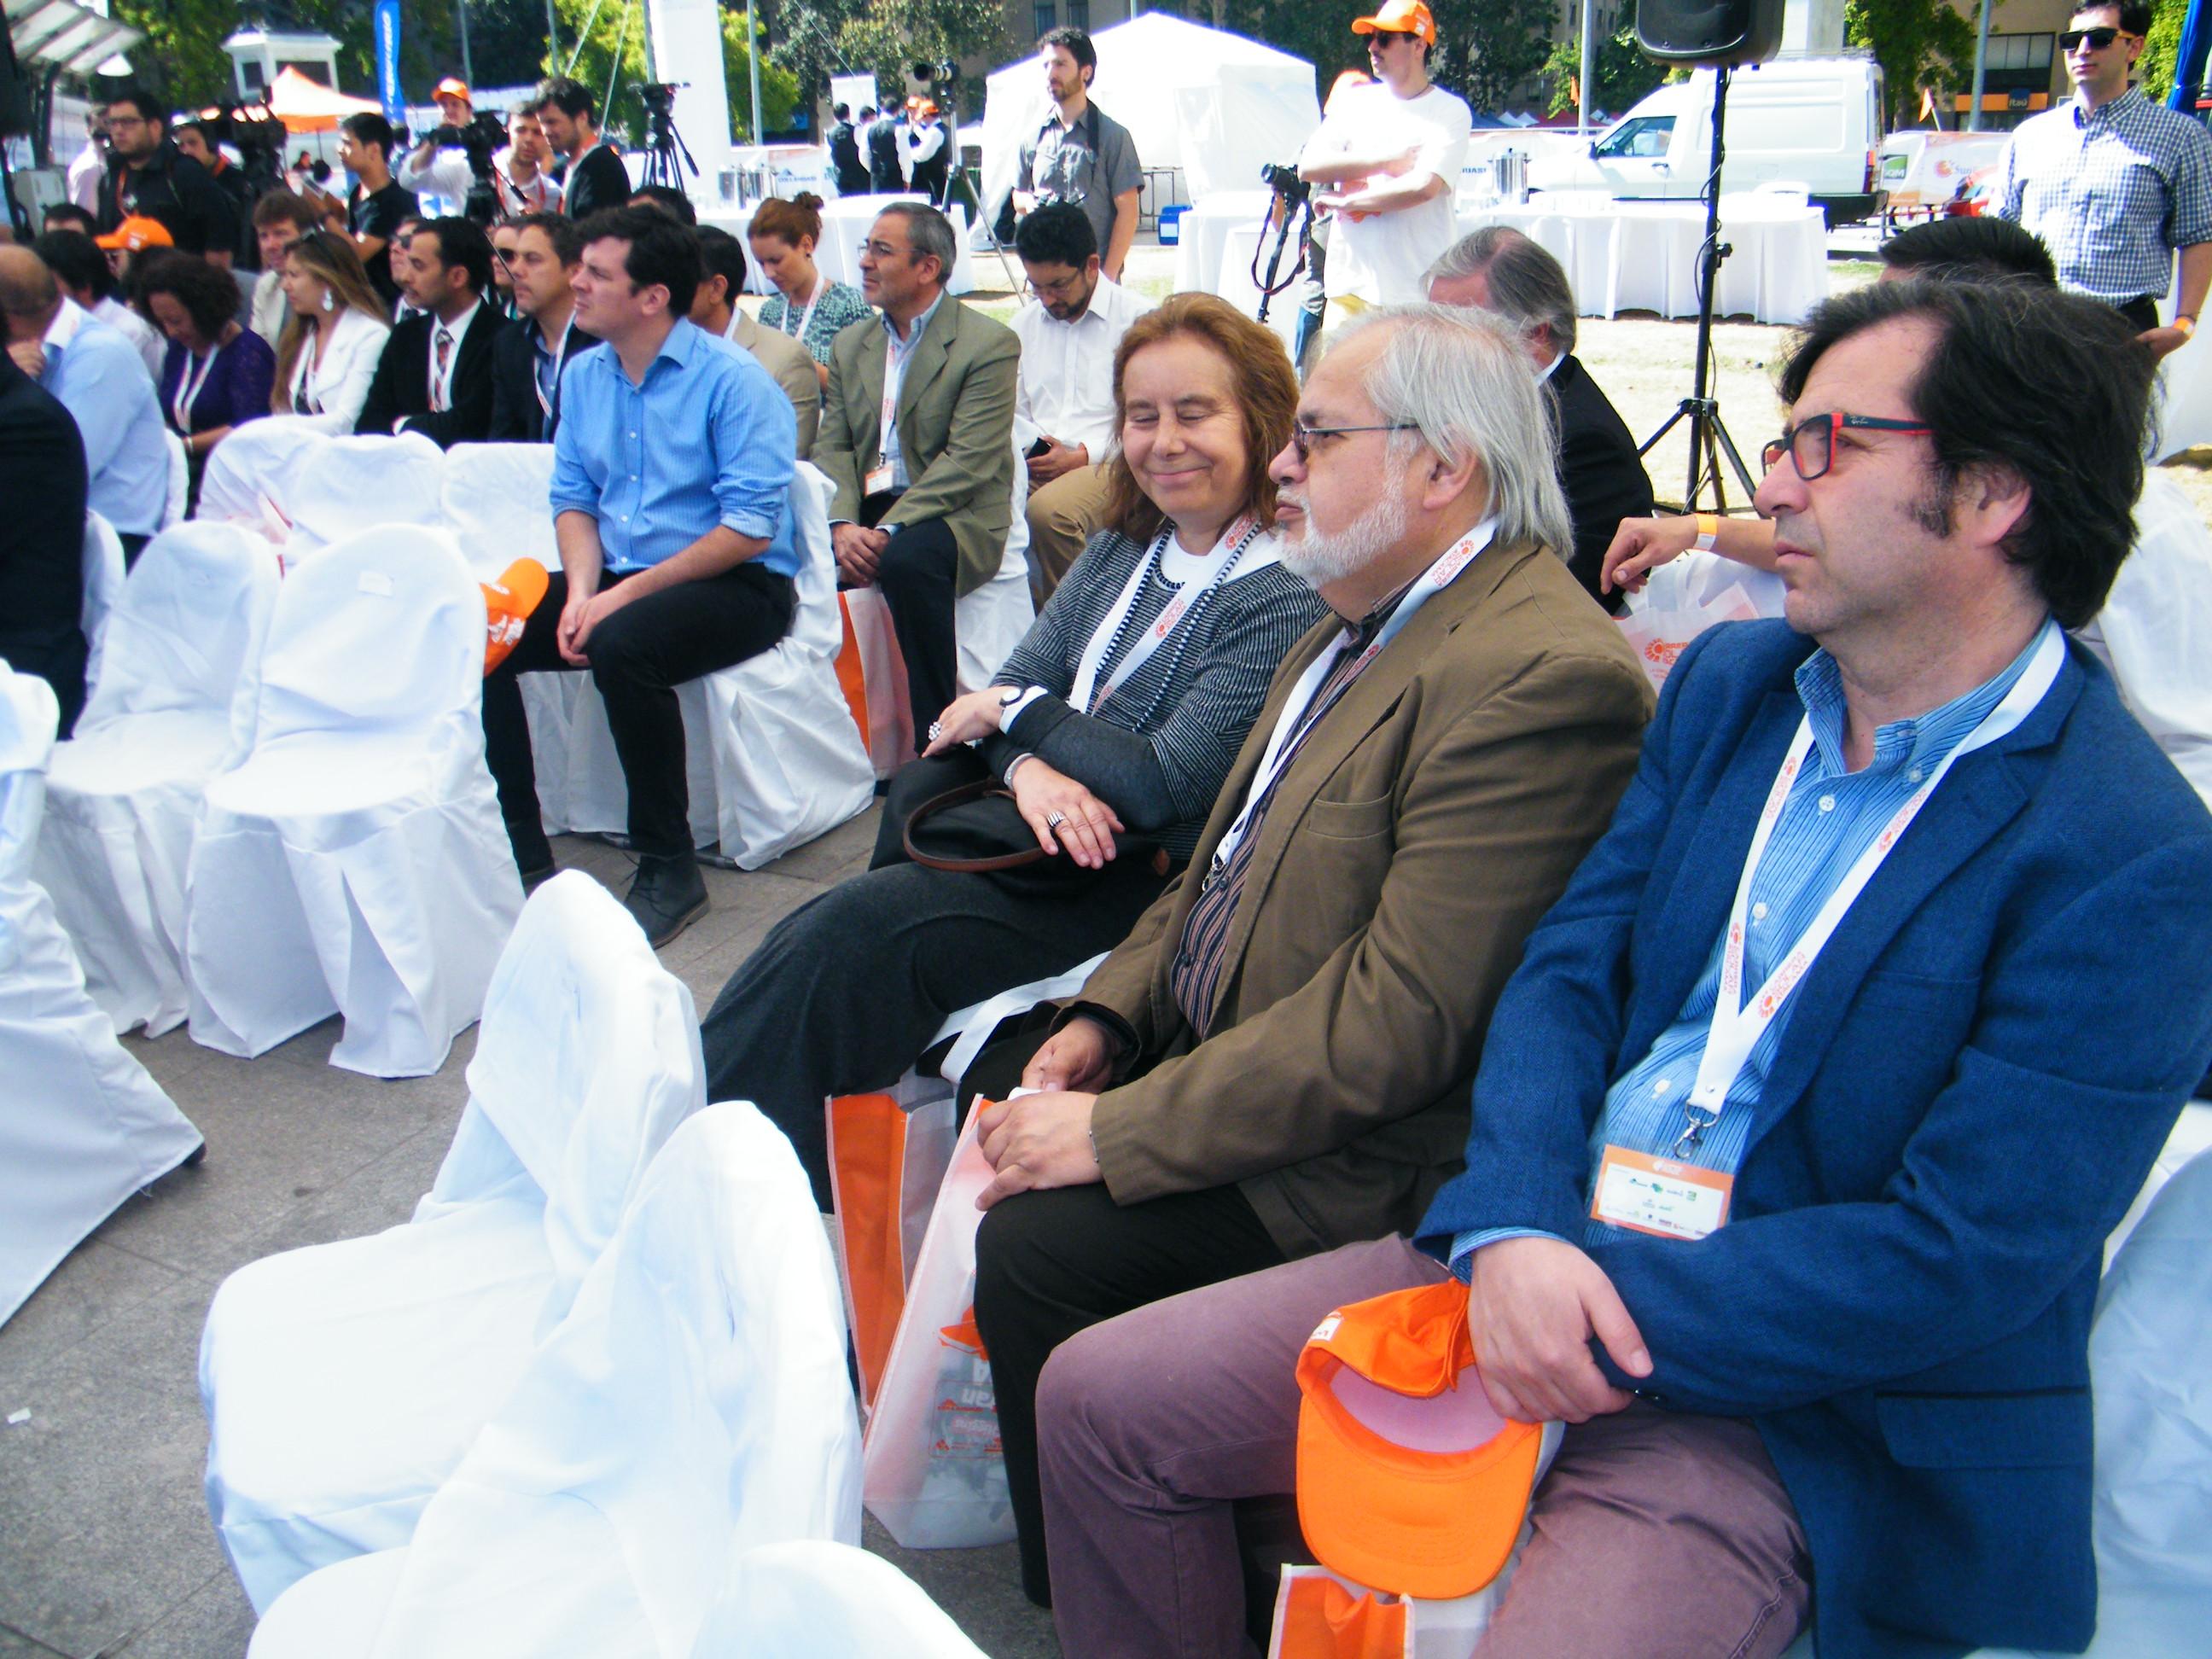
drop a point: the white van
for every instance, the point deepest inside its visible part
(1808, 121)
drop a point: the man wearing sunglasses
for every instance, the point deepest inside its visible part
(1802, 1123)
(2115, 184)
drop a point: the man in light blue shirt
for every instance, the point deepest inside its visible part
(100, 380)
(672, 468)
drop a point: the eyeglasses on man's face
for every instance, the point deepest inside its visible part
(1306, 439)
(1811, 444)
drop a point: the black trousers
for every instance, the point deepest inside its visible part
(916, 574)
(844, 993)
(2142, 312)
(1049, 1264)
(638, 657)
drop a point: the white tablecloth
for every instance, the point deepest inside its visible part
(845, 224)
(1642, 256)
(1620, 256)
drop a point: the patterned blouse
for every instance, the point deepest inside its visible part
(838, 307)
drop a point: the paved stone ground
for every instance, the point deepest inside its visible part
(105, 1543)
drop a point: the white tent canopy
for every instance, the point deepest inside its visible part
(1214, 103)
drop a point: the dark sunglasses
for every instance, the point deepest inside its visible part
(2098, 39)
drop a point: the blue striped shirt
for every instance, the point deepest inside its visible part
(1832, 816)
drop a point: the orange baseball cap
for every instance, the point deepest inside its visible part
(136, 233)
(452, 87)
(1409, 1481)
(508, 604)
(1398, 17)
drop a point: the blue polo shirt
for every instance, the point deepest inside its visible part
(708, 439)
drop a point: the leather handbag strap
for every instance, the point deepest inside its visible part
(982, 789)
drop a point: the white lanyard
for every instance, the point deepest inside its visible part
(188, 389)
(1736, 1027)
(1238, 536)
(560, 355)
(1431, 582)
(821, 282)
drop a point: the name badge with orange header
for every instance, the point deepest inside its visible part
(877, 481)
(1658, 1195)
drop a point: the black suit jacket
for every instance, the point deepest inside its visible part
(845, 157)
(516, 417)
(1599, 469)
(884, 178)
(402, 386)
(42, 479)
(599, 179)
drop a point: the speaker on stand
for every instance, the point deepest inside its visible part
(1720, 35)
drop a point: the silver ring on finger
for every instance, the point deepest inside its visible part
(936, 730)
(1054, 820)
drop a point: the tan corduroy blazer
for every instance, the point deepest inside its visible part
(956, 426)
(1425, 826)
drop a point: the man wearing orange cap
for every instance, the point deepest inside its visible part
(1386, 159)
(1801, 1126)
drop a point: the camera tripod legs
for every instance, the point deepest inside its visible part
(1708, 440)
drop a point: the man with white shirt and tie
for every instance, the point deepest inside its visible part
(1069, 332)
(435, 374)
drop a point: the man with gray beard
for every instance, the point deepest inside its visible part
(1277, 1062)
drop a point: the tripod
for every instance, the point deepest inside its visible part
(1708, 434)
(665, 149)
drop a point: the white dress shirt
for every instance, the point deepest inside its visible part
(136, 330)
(441, 384)
(1065, 384)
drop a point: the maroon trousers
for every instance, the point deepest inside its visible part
(1654, 1533)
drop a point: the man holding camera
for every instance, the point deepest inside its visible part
(445, 162)
(597, 177)
(197, 140)
(1385, 160)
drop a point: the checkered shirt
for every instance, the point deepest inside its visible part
(2112, 193)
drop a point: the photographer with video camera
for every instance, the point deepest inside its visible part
(466, 150)
(597, 177)
(200, 141)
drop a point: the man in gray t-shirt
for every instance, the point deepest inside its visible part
(1081, 154)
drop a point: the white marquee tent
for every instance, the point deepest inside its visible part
(1214, 103)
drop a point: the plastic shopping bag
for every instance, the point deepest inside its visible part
(888, 1154)
(1320, 1614)
(1686, 596)
(931, 1470)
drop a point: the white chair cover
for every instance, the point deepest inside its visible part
(774, 757)
(495, 502)
(250, 476)
(988, 622)
(84, 1125)
(355, 861)
(358, 482)
(103, 588)
(344, 1382)
(695, 1403)
(122, 795)
(802, 1600)
(181, 480)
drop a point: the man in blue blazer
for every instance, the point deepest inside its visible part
(1798, 1133)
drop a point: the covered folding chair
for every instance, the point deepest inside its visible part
(774, 757)
(355, 861)
(496, 500)
(249, 479)
(800, 1600)
(123, 794)
(84, 1125)
(693, 1404)
(104, 574)
(358, 482)
(343, 1383)
(179, 481)
(988, 622)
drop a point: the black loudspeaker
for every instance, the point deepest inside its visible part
(14, 92)
(1709, 31)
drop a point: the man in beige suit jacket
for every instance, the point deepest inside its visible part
(923, 512)
(1278, 1060)
(715, 307)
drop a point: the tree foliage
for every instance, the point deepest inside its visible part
(2161, 46)
(1624, 73)
(1487, 49)
(815, 38)
(620, 26)
(1919, 44)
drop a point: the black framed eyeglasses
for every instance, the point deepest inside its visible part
(1811, 444)
(1303, 436)
(2099, 39)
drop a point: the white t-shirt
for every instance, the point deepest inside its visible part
(1381, 258)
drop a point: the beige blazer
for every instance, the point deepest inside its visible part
(956, 426)
(1425, 826)
(792, 367)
